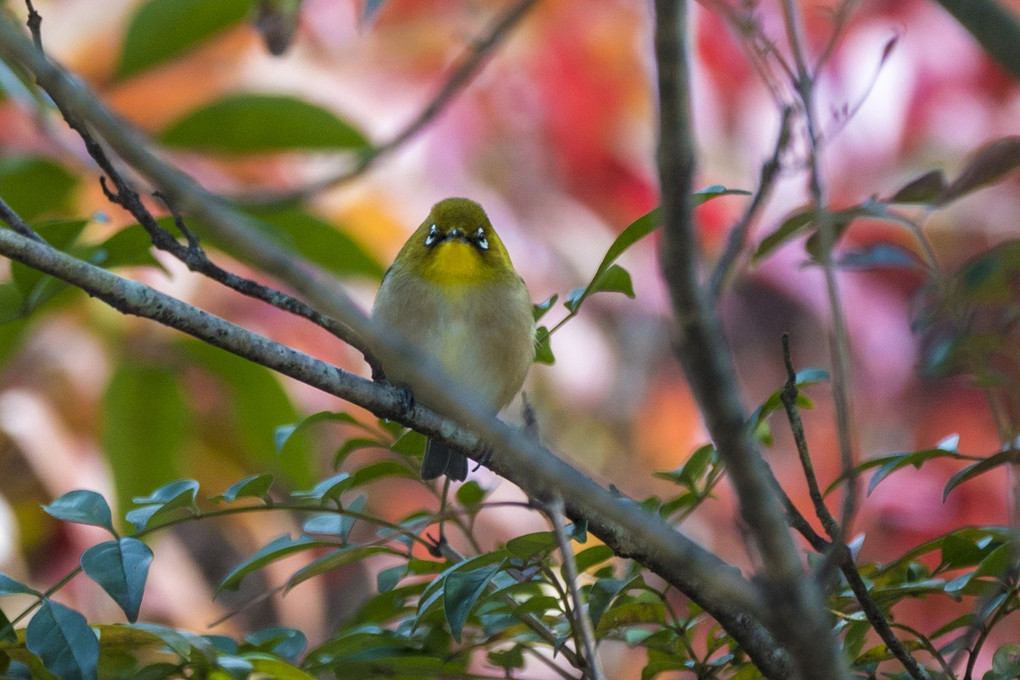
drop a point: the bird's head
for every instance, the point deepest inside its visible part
(456, 244)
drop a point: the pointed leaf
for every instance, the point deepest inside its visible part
(146, 421)
(972, 471)
(989, 164)
(255, 486)
(36, 187)
(530, 546)
(173, 495)
(121, 568)
(543, 348)
(328, 489)
(278, 549)
(924, 189)
(83, 507)
(262, 123)
(539, 310)
(63, 640)
(9, 586)
(163, 29)
(462, 590)
(321, 241)
(336, 559)
(288, 643)
(879, 256)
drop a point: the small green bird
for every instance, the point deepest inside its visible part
(453, 292)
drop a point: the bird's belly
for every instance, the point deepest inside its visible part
(455, 343)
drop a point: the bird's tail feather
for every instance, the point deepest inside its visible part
(440, 459)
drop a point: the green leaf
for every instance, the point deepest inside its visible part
(196, 650)
(532, 546)
(410, 443)
(387, 579)
(989, 164)
(262, 123)
(958, 551)
(543, 347)
(82, 507)
(790, 228)
(319, 241)
(9, 586)
(255, 486)
(35, 187)
(589, 557)
(283, 433)
(1006, 660)
(461, 591)
(256, 404)
(129, 247)
(334, 523)
(162, 29)
(146, 422)
(972, 471)
(632, 614)
(540, 310)
(508, 660)
(434, 591)
(277, 550)
(62, 639)
(328, 489)
(384, 468)
(271, 667)
(471, 493)
(163, 501)
(693, 469)
(37, 288)
(602, 594)
(803, 378)
(355, 444)
(878, 256)
(337, 558)
(925, 189)
(893, 462)
(285, 642)
(121, 568)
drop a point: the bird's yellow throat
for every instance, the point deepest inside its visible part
(455, 263)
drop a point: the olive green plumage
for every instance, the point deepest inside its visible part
(454, 293)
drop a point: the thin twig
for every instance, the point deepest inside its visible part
(738, 235)
(581, 618)
(35, 26)
(804, 85)
(467, 67)
(789, 396)
(14, 221)
(836, 552)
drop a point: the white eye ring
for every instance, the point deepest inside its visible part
(434, 237)
(480, 240)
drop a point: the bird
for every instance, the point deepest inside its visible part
(453, 293)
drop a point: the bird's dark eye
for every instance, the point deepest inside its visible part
(434, 237)
(479, 239)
